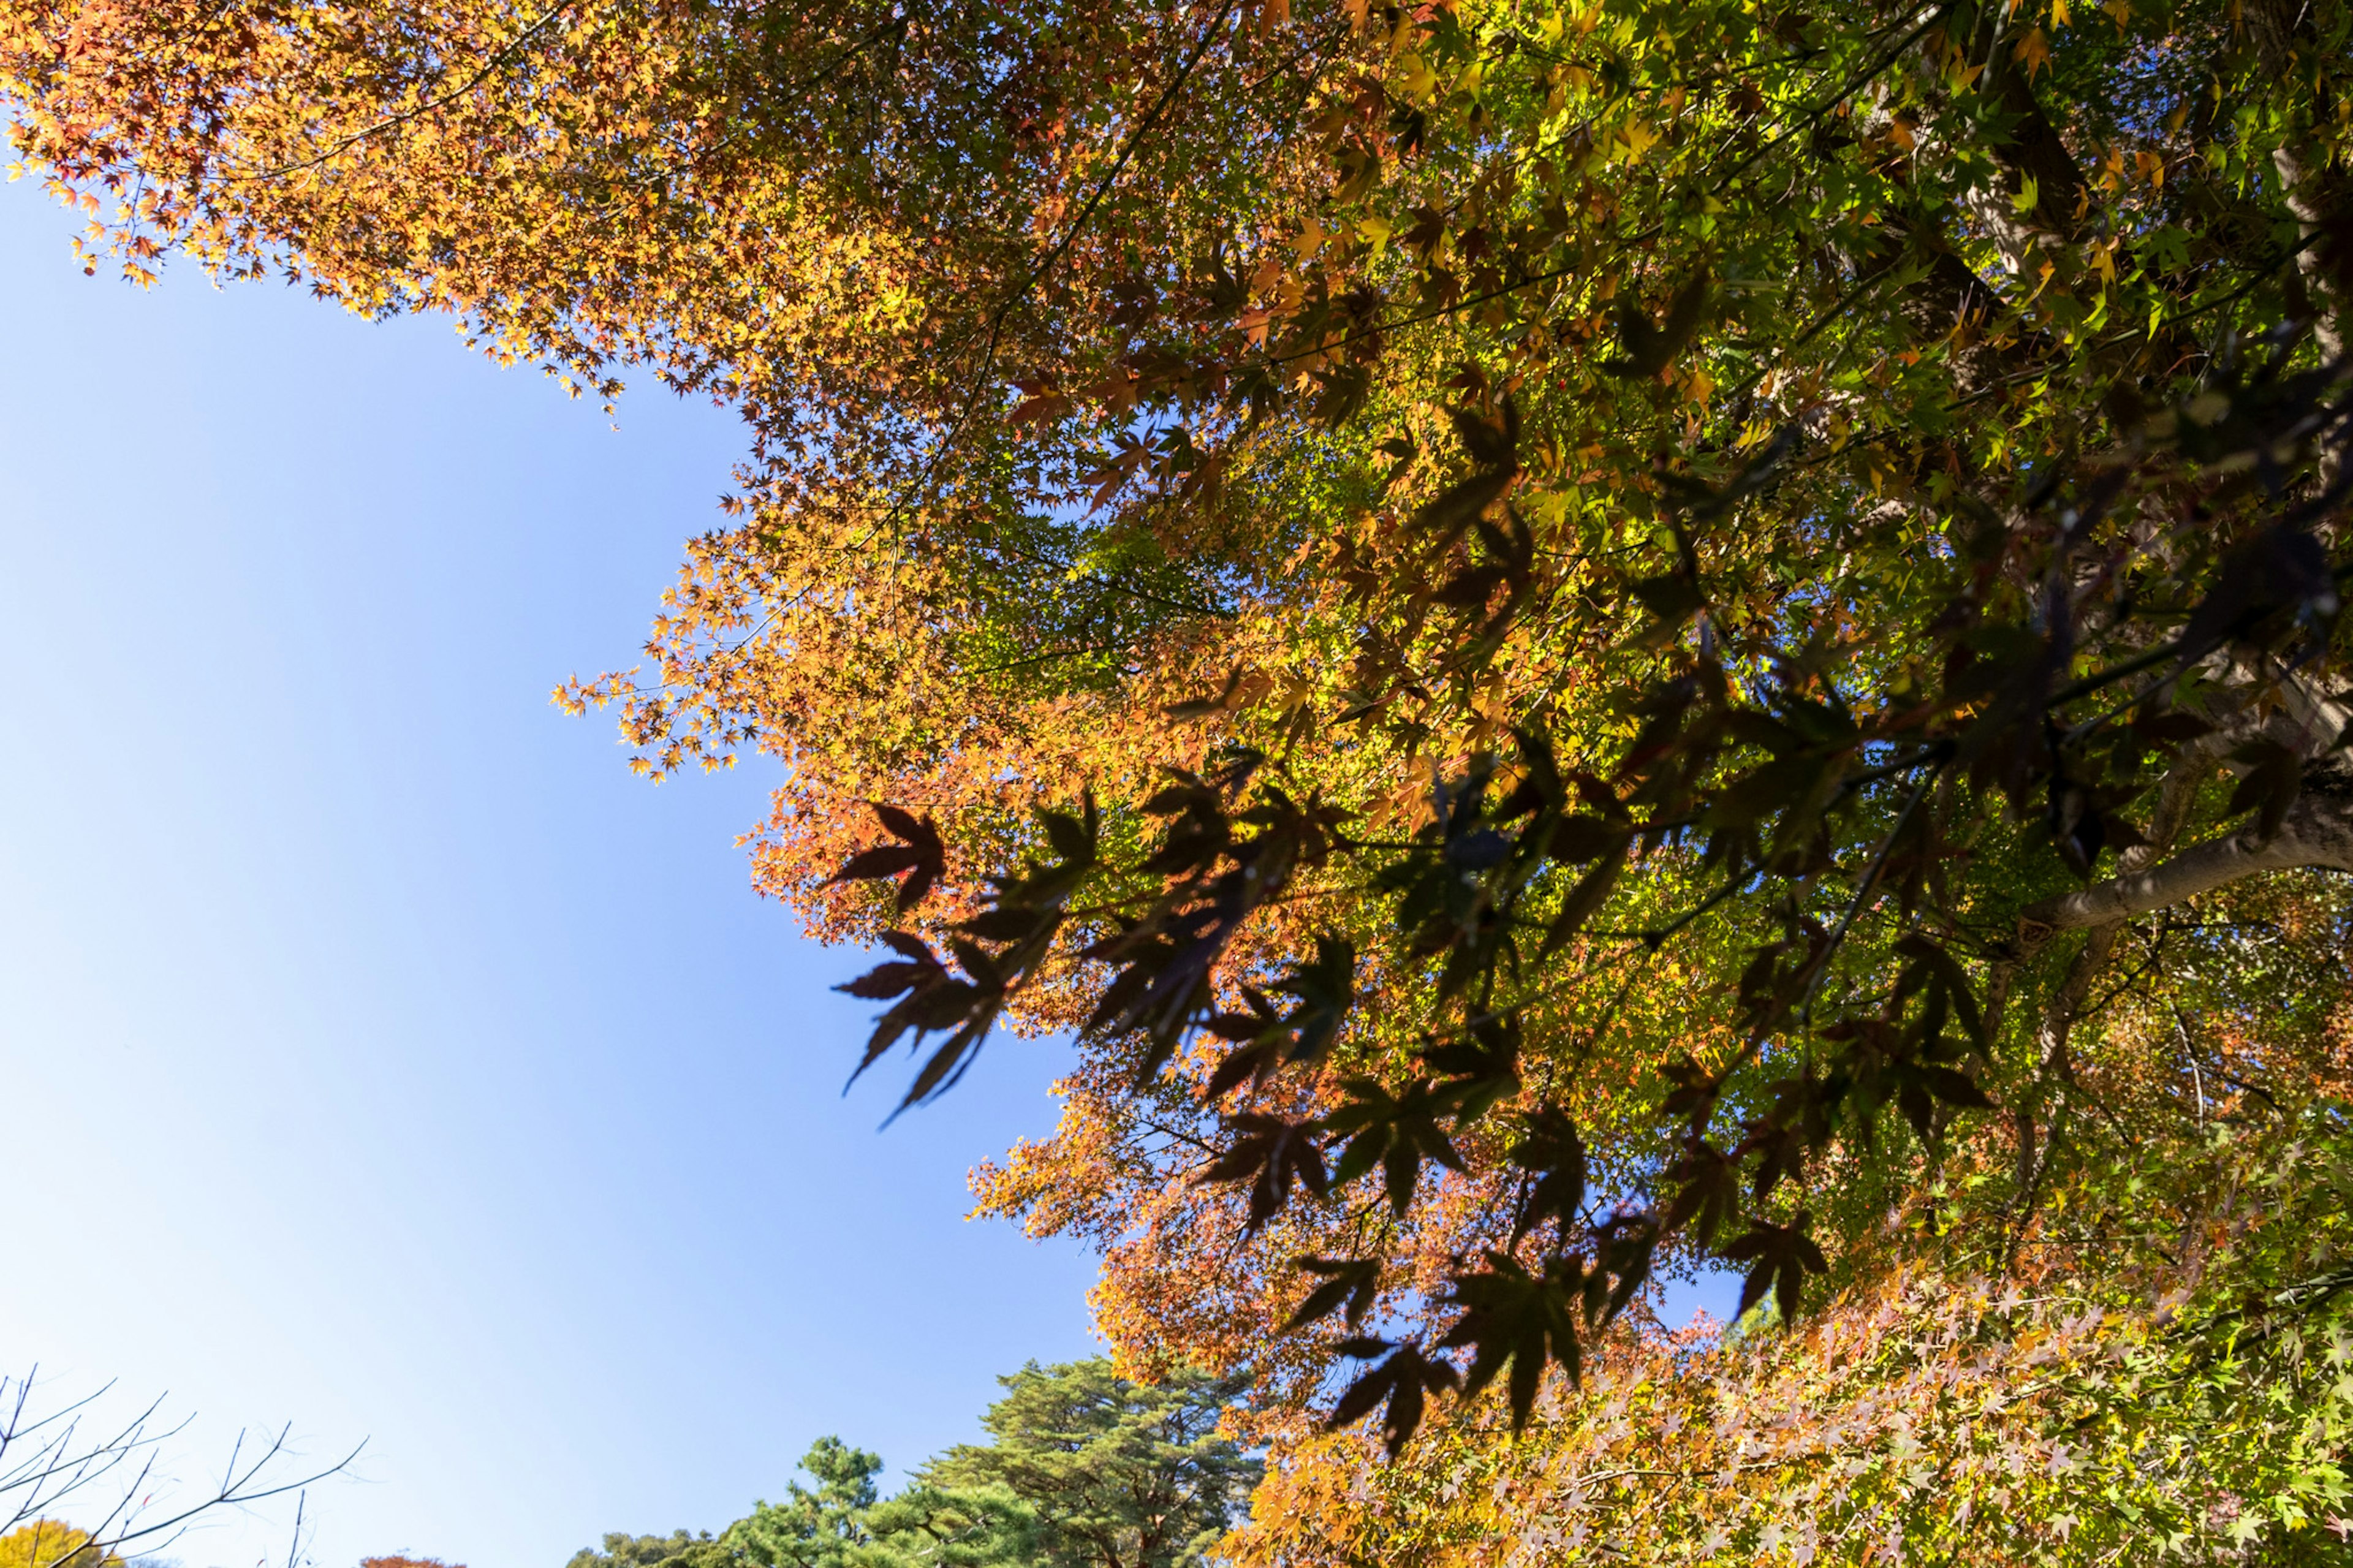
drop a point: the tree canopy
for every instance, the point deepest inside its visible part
(1579, 639)
(1084, 1469)
(1118, 1474)
(683, 1547)
(845, 1523)
(53, 1544)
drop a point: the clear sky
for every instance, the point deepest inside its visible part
(380, 1056)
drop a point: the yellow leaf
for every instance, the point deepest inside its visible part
(1415, 77)
(2033, 52)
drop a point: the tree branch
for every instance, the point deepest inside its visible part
(2317, 831)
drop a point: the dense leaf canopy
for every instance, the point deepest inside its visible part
(1647, 632)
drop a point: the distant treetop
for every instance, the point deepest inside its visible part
(1086, 1469)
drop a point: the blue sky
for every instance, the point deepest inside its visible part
(380, 1056)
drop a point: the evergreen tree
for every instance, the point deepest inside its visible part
(1087, 1470)
(678, 1549)
(1120, 1474)
(845, 1523)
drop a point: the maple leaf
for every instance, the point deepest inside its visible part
(1648, 349)
(1396, 1132)
(1548, 1146)
(2032, 52)
(2272, 779)
(1706, 1185)
(1271, 1154)
(1511, 1316)
(1783, 1256)
(1349, 1282)
(920, 858)
(1405, 1380)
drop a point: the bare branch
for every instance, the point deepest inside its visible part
(45, 1461)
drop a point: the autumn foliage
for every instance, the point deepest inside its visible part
(53, 1544)
(1579, 642)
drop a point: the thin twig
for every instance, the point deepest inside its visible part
(428, 106)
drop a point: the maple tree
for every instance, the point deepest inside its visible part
(2160, 1366)
(1574, 638)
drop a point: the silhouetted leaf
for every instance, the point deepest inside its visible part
(1271, 1154)
(1648, 349)
(1548, 1146)
(1405, 1380)
(1525, 1319)
(922, 856)
(1352, 1282)
(1781, 1256)
(2273, 777)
